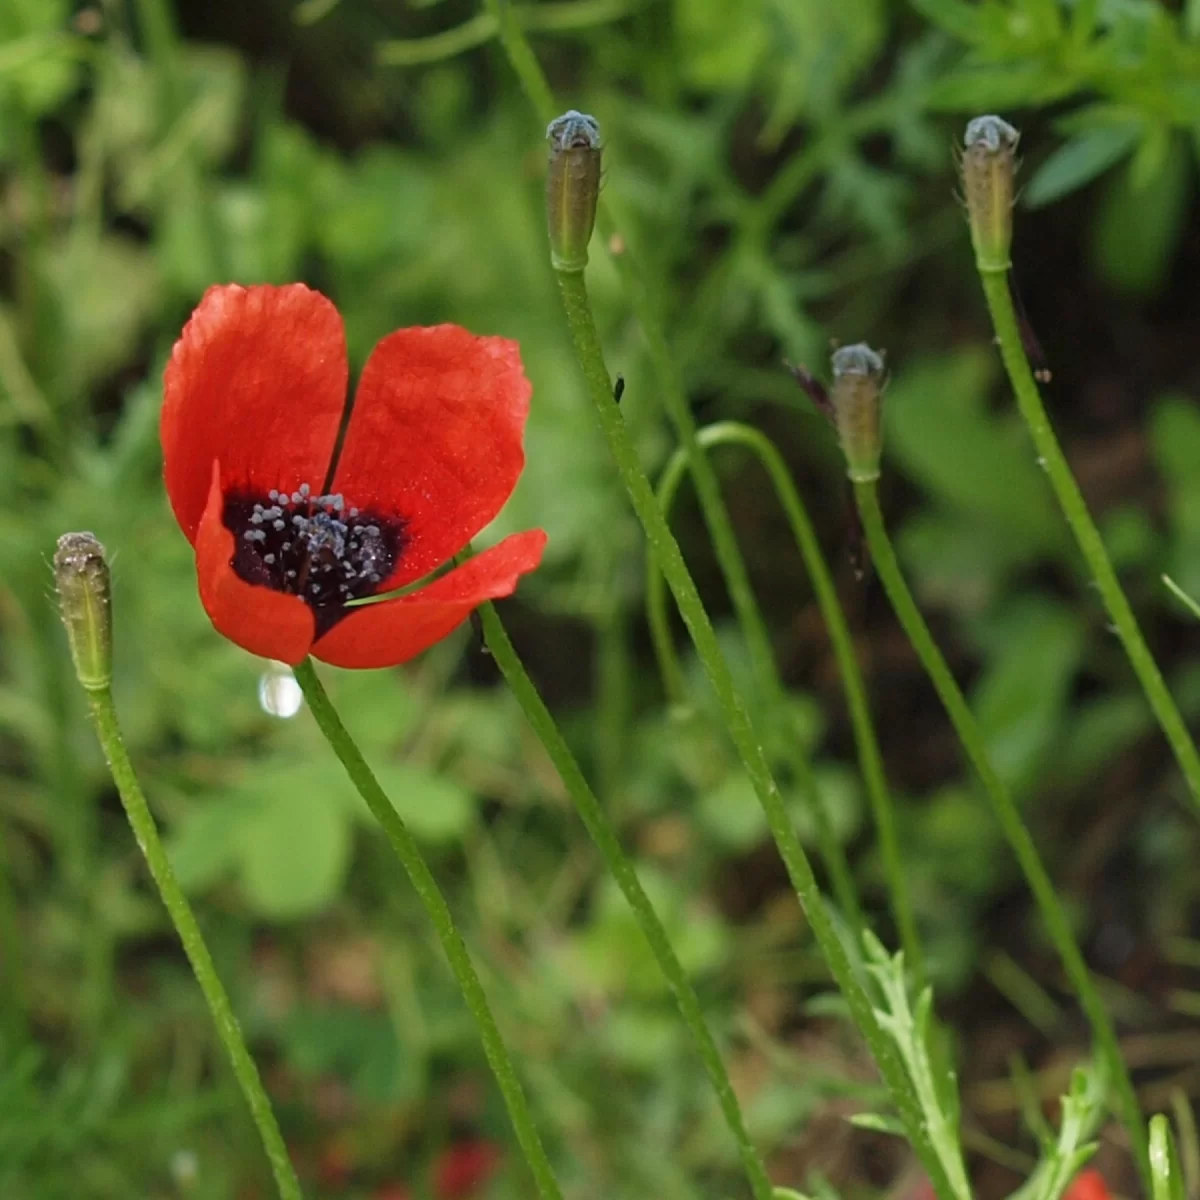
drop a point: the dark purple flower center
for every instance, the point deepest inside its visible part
(314, 547)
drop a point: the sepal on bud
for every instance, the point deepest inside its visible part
(988, 167)
(85, 600)
(572, 188)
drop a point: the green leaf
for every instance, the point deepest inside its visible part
(1079, 161)
(732, 815)
(983, 86)
(954, 16)
(1175, 438)
(434, 807)
(205, 844)
(1022, 698)
(879, 1123)
(294, 852)
(721, 41)
(939, 429)
(1139, 224)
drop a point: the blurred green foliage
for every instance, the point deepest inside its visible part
(782, 168)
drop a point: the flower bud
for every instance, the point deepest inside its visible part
(988, 166)
(572, 188)
(84, 597)
(856, 399)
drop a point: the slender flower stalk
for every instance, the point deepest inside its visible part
(713, 508)
(594, 818)
(988, 167)
(658, 533)
(1007, 814)
(82, 576)
(869, 757)
(438, 911)
(775, 695)
(733, 707)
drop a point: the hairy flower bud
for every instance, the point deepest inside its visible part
(84, 596)
(856, 400)
(988, 166)
(572, 188)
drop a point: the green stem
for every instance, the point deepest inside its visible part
(754, 629)
(671, 563)
(104, 716)
(1004, 321)
(1007, 814)
(435, 906)
(658, 534)
(608, 843)
(869, 757)
(521, 56)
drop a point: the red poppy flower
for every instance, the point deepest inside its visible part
(463, 1168)
(253, 400)
(1087, 1185)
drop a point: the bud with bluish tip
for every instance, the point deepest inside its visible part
(85, 600)
(988, 166)
(853, 404)
(572, 188)
(856, 399)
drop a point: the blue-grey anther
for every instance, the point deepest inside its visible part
(572, 188)
(311, 546)
(856, 399)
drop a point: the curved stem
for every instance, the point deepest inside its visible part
(869, 757)
(1004, 321)
(104, 717)
(608, 843)
(1007, 814)
(691, 608)
(435, 906)
(754, 629)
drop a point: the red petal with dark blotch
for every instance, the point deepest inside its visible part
(393, 631)
(258, 619)
(257, 380)
(435, 439)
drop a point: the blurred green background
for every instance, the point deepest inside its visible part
(784, 170)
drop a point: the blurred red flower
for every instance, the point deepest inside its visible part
(460, 1171)
(1087, 1185)
(254, 396)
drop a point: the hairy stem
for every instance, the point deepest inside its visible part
(104, 717)
(1007, 814)
(869, 757)
(1004, 321)
(775, 696)
(745, 739)
(608, 843)
(438, 910)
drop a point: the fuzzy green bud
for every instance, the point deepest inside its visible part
(988, 166)
(856, 398)
(85, 599)
(572, 188)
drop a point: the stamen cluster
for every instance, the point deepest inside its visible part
(314, 547)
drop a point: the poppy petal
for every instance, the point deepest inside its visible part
(435, 439)
(393, 631)
(256, 380)
(258, 619)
